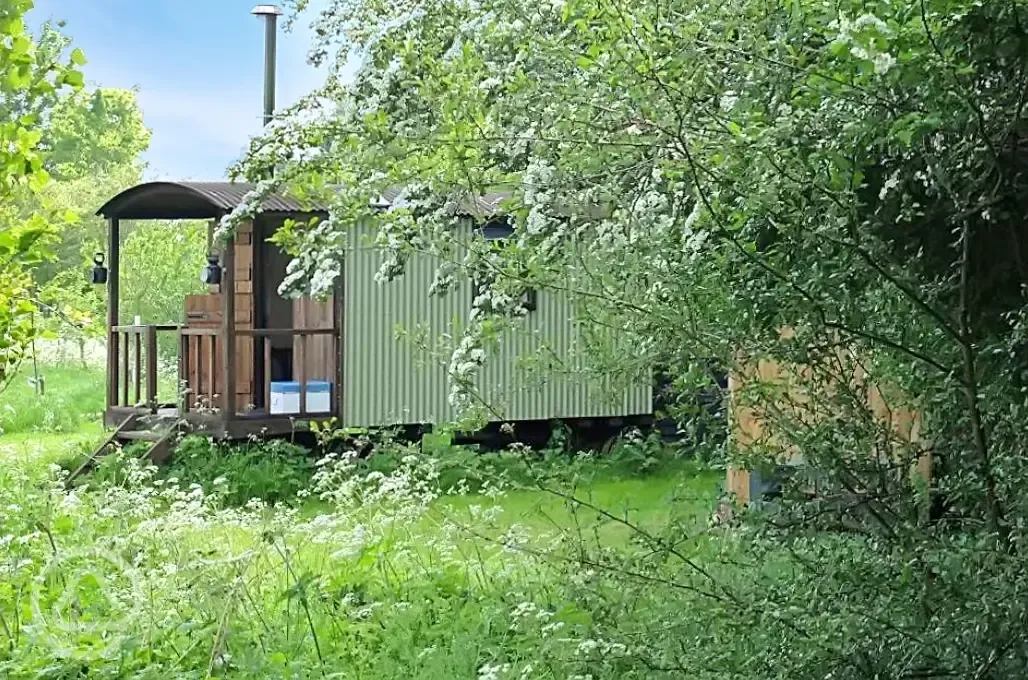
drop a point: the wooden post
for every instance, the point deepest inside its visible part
(266, 376)
(125, 371)
(228, 331)
(181, 393)
(139, 364)
(301, 372)
(113, 262)
(338, 323)
(151, 368)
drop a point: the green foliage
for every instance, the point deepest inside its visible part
(31, 77)
(72, 396)
(94, 134)
(84, 233)
(160, 265)
(20, 247)
(160, 261)
(839, 186)
(135, 577)
(273, 471)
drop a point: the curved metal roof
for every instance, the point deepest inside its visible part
(209, 200)
(193, 200)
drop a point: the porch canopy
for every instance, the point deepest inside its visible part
(195, 200)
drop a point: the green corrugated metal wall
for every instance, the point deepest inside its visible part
(390, 381)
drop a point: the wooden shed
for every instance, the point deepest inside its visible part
(791, 387)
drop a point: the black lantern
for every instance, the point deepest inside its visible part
(211, 274)
(99, 270)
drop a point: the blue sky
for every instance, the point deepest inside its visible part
(199, 68)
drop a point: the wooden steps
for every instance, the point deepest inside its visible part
(141, 436)
(161, 435)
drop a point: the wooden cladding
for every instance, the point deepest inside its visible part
(204, 376)
(793, 391)
(314, 357)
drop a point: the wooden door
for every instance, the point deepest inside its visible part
(314, 357)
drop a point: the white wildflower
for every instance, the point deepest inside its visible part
(883, 61)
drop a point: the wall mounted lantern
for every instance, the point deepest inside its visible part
(211, 274)
(99, 270)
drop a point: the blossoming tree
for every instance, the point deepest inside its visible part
(699, 175)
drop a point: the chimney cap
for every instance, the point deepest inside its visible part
(266, 10)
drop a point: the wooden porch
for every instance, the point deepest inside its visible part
(232, 369)
(138, 387)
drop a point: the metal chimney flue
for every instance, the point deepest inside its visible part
(270, 14)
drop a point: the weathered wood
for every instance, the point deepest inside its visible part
(182, 389)
(125, 425)
(262, 425)
(794, 383)
(315, 354)
(125, 372)
(162, 448)
(212, 368)
(203, 310)
(246, 359)
(140, 436)
(228, 334)
(160, 327)
(114, 265)
(267, 332)
(267, 373)
(139, 366)
(336, 389)
(301, 373)
(151, 368)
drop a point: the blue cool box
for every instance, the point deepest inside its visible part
(317, 387)
(292, 387)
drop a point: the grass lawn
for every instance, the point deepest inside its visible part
(74, 396)
(682, 491)
(36, 450)
(443, 583)
(65, 422)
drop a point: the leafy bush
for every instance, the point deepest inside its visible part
(273, 470)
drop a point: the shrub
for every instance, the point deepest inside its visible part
(272, 470)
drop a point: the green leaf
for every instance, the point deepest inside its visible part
(74, 79)
(78, 57)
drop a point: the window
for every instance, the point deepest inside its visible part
(498, 230)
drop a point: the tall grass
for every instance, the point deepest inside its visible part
(382, 573)
(72, 396)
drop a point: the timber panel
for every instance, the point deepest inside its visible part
(793, 383)
(314, 357)
(203, 367)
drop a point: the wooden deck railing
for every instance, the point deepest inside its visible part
(300, 337)
(198, 368)
(135, 354)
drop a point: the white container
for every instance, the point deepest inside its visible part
(319, 396)
(285, 398)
